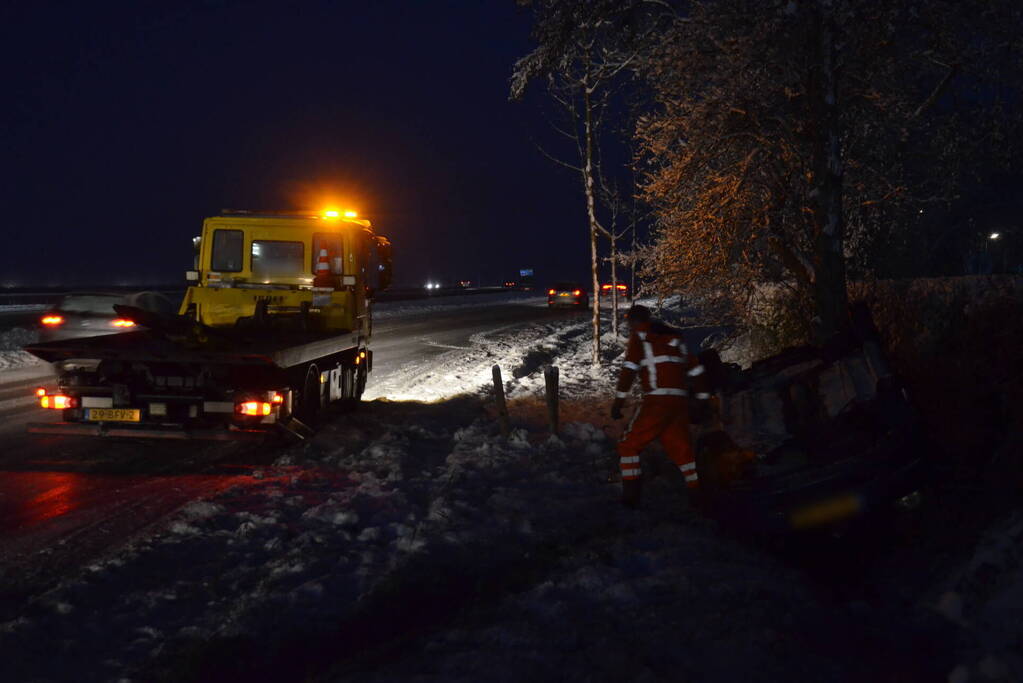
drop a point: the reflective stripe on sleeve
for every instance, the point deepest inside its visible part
(630, 365)
(667, 392)
(692, 477)
(702, 395)
(688, 466)
(631, 473)
(621, 394)
(629, 459)
(675, 342)
(697, 371)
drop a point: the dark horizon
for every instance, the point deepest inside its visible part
(140, 125)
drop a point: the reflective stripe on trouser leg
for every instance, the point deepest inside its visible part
(628, 458)
(675, 439)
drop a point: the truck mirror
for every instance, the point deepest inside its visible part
(381, 263)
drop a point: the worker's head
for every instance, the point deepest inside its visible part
(637, 314)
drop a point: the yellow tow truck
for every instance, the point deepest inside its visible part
(275, 325)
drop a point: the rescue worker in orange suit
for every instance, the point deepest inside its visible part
(667, 370)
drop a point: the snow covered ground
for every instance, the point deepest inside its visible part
(410, 541)
(11, 355)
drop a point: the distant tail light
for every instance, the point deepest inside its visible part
(551, 292)
(577, 292)
(276, 398)
(606, 287)
(622, 287)
(122, 322)
(56, 401)
(53, 320)
(258, 408)
(40, 392)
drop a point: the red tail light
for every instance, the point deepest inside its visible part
(622, 287)
(577, 292)
(122, 322)
(253, 408)
(53, 320)
(550, 291)
(40, 392)
(56, 401)
(606, 287)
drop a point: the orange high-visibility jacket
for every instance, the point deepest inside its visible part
(665, 366)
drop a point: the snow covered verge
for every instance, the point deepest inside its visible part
(11, 355)
(409, 541)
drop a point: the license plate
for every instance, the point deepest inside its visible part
(825, 512)
(113, 414)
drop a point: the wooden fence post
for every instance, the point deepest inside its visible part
(550, 377)
(502, 406)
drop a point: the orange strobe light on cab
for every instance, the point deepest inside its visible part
(53, 320)
(258, 408)
(56, 401)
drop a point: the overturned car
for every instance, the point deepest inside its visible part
(812, 438)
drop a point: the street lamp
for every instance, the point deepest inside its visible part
(994, 235)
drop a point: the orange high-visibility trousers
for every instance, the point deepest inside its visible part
(659, 417)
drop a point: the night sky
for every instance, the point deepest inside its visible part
(125, 124)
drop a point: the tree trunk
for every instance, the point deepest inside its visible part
(591, 212)
(830, 295)
(614, 283)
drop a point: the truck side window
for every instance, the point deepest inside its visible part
(272, 259)
(332, 243)
(227, 251)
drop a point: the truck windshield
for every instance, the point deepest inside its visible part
(272, 260)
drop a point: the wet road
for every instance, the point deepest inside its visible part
(66, 501)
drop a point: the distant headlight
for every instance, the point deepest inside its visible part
(909, 502)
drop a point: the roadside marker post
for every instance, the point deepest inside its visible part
(502, 406)
(550, 377)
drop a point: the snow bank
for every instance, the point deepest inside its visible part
(11, 355)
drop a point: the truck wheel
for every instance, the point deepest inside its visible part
(312, 397)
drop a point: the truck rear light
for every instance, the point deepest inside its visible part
(577, 292)
(258, 408)
(122, 322)
(40, 391)
(56, 401)
(550, 292)
(276, 398)
(53, 320)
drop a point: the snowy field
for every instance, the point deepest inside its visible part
(411, 542)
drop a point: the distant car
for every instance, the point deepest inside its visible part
(568, 294)
(510, 284)
(90, 314)
(623, 289)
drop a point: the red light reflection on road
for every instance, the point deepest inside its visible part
(56, 500)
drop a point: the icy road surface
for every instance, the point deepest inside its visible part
(410, 542)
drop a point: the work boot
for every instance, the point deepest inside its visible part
(631, 488)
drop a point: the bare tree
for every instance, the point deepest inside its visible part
(584, 48)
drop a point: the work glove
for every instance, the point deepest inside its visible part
(616, 409)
